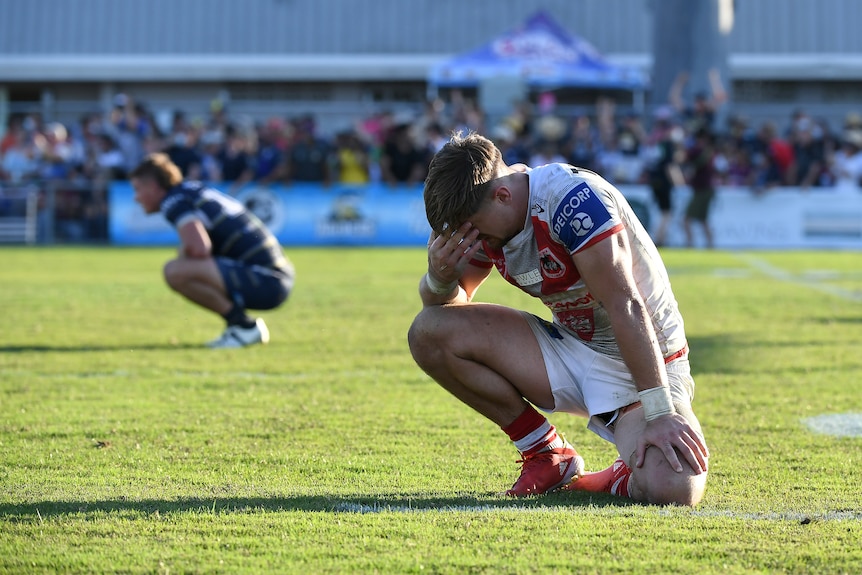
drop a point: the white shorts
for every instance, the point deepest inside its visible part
(587, 383)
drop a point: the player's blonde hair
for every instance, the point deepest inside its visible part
(160, 168)
(459, 178)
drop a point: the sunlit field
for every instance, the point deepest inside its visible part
(125, 446)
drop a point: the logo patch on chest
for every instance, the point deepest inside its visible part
(552, 267)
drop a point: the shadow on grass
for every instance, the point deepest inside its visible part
(397, 503)
(86, 348)
(740, 355)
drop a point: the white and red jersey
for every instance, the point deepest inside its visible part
(570, 210)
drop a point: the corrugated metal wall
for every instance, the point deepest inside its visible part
(300, 26)
(806, 26)
(390, 26)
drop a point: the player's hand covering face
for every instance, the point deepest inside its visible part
(450, 253)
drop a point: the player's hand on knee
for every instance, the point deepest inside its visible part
(673, 435)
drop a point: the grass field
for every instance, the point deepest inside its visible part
(126, 447)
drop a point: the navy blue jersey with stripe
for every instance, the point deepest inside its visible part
(234, 231)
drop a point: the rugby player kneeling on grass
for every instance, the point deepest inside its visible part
(615, 352)
(228, 260)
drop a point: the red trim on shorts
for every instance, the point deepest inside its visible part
(676, 355)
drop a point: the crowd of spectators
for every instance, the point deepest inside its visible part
(394, 149)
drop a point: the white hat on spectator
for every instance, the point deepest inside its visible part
(551, 128)
(853, 137)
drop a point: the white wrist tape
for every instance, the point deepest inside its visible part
(656, 402)
(438, 288)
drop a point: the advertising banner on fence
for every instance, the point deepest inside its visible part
(379, 215)
(299, 215)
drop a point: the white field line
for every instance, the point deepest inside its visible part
(808, 282)
(786, 516)
(836, 424)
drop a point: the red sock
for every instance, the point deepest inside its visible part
(531, 432)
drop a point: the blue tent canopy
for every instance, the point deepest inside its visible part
(541, 53)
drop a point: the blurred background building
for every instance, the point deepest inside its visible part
(338, 58)
(335, 94)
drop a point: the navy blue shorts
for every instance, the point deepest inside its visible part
(255, 287)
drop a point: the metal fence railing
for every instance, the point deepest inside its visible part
(54, 212)
(19, 215)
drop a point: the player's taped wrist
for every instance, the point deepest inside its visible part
(656, 402)
(438, 288)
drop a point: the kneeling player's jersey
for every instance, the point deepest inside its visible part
(234, 231)
(571, 209)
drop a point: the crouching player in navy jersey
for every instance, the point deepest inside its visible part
(228, 260)
(615, 352)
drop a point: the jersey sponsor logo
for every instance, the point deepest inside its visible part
(538, 209)
(578, 215)
(586, 300)
(552, 267)
(581, 223)
(528, 278)
(580, 321)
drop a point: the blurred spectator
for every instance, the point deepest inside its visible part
(513, 145)
(435, 138)
(351, 159)
(307, 159)
(20, 161)
(69, 214)
(183, 152)
(61, 155)
(741, 136)
(212, 144)
(736, 167)
(95, 213)
(702, 111)
(235, 163)
(430, 124)
(269, 152)
(109, 161)
(10, 138)
(808, 153)
(663, 168)
(466, 115)
(773, 159)
(847, 161)
(548, 152)
(218, 120)
(583, 144)
(128, 126)
(700, 171)
(401, 161)
(619, 159)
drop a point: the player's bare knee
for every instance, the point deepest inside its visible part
(172, 273)
(660, 484)
(422, 337)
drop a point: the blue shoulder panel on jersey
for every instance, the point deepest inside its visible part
(580, 212)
